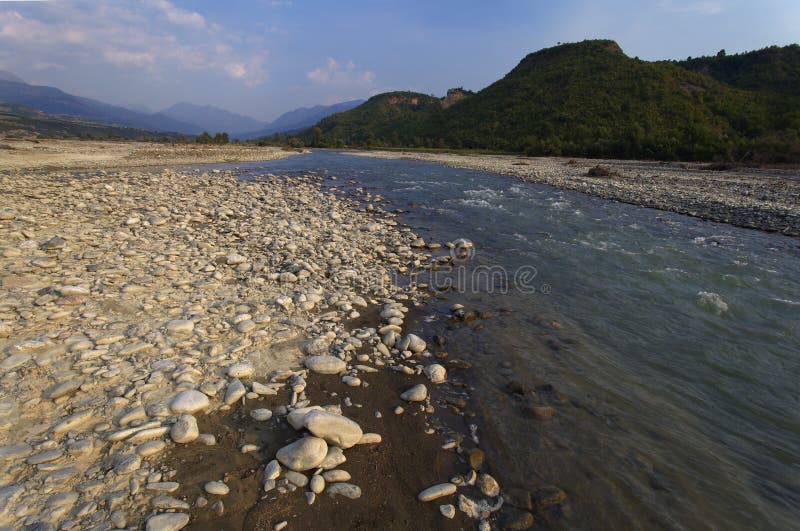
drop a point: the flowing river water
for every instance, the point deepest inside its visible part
(669, 346)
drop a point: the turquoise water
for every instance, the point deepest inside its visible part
(671, 345)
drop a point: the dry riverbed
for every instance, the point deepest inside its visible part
(191, 348)
(760, 199)
(102, 154)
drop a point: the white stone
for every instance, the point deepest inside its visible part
(218, 488)
(436, 373)
(261, 414)
(184, 430)
(418, 393)
(296, 416)
(189, 401)
(167, 522)
(234, 391)
(337, 430)
(436, 491)
(317, 484)
(180, 326)
(242, 369)
(325, 364)
(348, 490)
(304, 454)
(272, 470)
(336, 476)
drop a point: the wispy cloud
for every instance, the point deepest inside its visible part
(339, 74)
(696, 8)
(153, 35)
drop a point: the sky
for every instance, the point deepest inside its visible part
(264, 57)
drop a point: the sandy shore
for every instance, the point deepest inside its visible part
(760, 199)
(147, 317)
(74, 154)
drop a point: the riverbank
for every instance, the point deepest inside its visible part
(141, 309)
(766, 200)
(48, 154)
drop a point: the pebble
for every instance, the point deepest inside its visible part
(336, 476)
(325, 364)
(150, 448)
(448, 511)
(167, 522)
(317, 483)
(185, 429)
(436, 491)
(261, 414)
(241, 370)
(436, 373)
(370, 438)
(348, 490)
(418, 393)
(180, 326)
(218, 488)
(189, 401)
(272, 470)
(333, 458)
(304, 454)
(234, 391)
(296, 478)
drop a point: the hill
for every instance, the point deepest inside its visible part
(18, 121)
(55, 101)
(586, 99)
(774, 69)
(212, 119)
(300, 118)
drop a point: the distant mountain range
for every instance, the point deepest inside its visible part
(19, 121)
(299, 119)
(590, 99)
(184, 118)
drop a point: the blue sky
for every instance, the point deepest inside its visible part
(263, 57)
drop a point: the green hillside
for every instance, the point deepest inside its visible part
(586, 99)
(775, 69)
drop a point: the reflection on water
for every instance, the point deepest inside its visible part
(670, 347)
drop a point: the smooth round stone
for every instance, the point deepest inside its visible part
(317, 484)
(336, 476)
(325, 364)
(337, 430)
(351, 381)
(436, 491)
(167, 522)
(436, 373)
(128, 464)
(184, 430)
(217, 488)
(180, 326)
(348, 490)
(296, 478)
(150, 448)
(242, 369)
(261, 414)
(245, 326)
(418, 393)
(333, 458)
(304, 454)
(370, 438)
(189, 401)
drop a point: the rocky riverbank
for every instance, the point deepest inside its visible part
(140, 310)
(103, 154)
(767, 200)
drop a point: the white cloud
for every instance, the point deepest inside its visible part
(179, 16)
(696, 8)
(339, 74)
(153, 35)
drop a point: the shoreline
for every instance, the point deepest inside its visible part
(755, 199)
(123, 290)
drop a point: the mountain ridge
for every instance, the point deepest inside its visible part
(586, 99)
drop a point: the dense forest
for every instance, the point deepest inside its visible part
(590, 99)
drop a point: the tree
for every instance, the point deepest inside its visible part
(221, 138)
(316, 136)
(204, 138)
(721, 53)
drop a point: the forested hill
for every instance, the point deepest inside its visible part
(590, 99)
